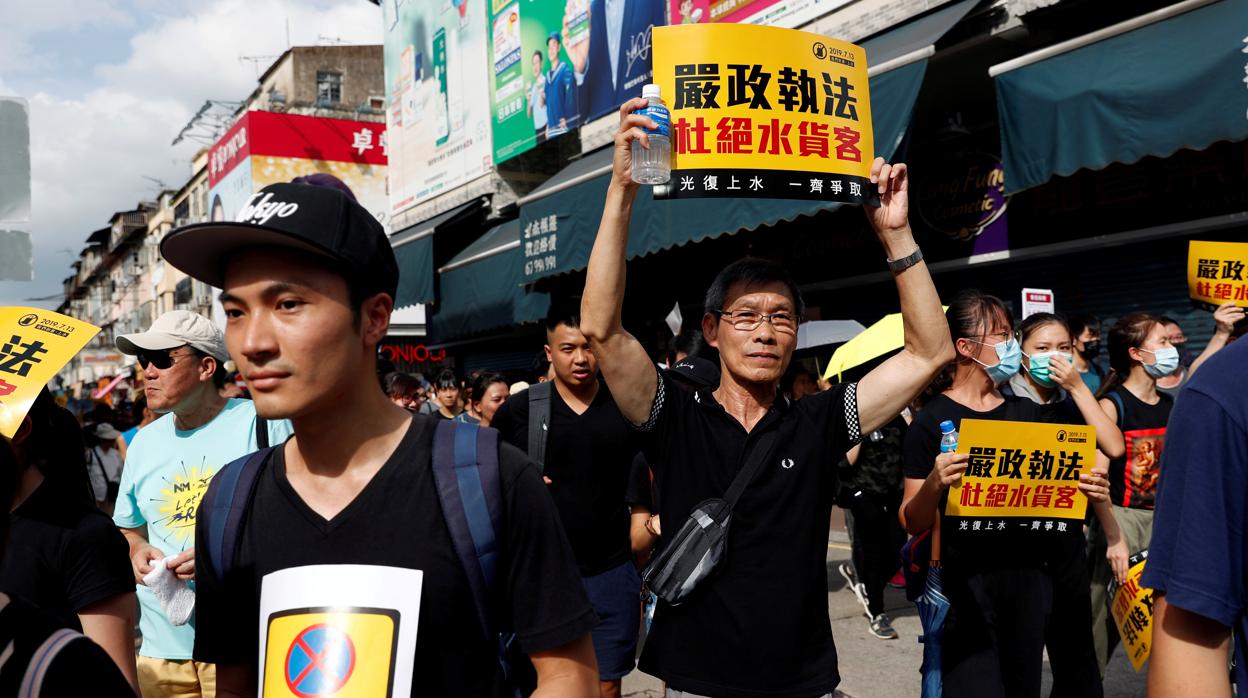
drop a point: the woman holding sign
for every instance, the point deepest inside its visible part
(998, 580)
(1050, 379)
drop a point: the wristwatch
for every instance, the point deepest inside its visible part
(899, 265)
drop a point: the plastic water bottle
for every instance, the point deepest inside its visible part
(654, 166)
(948, 437)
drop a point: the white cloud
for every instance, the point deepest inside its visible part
(90, 153)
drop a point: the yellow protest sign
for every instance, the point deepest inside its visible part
(34, 345)
(1132, 608)
(765, 112)
(330, 651)
(1217, 272)
(1022, 469)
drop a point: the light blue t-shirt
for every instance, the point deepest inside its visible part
(166, 473)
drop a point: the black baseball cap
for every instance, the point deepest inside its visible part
(316, 219)
(695, 372)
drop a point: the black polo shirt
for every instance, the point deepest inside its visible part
(760, 626)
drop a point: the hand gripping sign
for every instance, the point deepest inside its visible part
(1131, 605)
(763, 112)
(34, 345)
(1023, 470)
(1217, 272)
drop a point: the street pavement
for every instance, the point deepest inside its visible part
(874, 668)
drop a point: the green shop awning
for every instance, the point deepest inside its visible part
(413, 249)
(481, 288)
(1167, 80)
(560, 219)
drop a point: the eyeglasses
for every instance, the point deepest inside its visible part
(160, 359)
(750, 320)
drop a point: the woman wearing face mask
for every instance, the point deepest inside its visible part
(1139, 353)
(1049, 378)
(1085, 331)
(999, 587)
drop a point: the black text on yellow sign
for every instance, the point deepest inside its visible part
(1131, 605)
(1022, 470)
(34, 345)
(764, 112)
(1217, 273)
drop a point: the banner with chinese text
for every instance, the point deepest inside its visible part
(1216, 273)
(764, 112)
(773, 13)
(34, 345)
(1022, 470)
(1132, 608)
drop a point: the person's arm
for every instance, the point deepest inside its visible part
(1189, 655)
(235, 681)
(142, 553)
(621, 358)
(1116, 551)
(921, 499)
(1108, 436)
(110, 624)
(640, 536)
(851, 456)
(570, 670)
(886, 390)
(1224, 319)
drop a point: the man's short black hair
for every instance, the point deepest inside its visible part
(751, 272)
(1167, 320)
(569, 316)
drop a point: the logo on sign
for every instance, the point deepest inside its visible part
(339, 651)
(320, 661)
(28, 320)
(820, 50)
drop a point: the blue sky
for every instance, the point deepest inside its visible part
(111, 82)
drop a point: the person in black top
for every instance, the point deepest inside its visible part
(306, 304)
(999, 587)
(64, 555)
(1139, 354)
(759, 626)
(589, 451)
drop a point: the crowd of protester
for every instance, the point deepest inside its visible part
(113, 513)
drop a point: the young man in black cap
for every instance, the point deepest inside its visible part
(309, 280)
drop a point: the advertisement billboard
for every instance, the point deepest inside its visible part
(787, 14)
(555, 64)
(265, 148)
(437, 103)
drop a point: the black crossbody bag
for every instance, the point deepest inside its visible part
(698, 548)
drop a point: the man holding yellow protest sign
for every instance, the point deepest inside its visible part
(1000, 508)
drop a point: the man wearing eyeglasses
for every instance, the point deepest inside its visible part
(759, 625)
(167, 470)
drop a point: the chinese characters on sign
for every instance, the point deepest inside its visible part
(788, 121)
(1132, 608)
(1021, 470)
(34, 345)
(541, 240)
(1217, 272)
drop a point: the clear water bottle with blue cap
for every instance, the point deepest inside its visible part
(654, 165)
(948, 437)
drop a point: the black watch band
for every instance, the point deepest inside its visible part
(899, 265)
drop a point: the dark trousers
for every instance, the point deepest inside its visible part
(994, 634)
(876, 538)
(1072, 654)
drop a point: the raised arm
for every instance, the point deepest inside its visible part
(885, 391)
(622, 359)
(1224, 319)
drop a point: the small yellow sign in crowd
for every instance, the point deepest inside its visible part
(1217, 272)
(1132, 608)
(34, 345)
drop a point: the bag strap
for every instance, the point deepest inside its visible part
(262, 432)
(539, 422)
(1117, 400)
(224, 508)
(38, 666)
(754, 457)
(465, 473)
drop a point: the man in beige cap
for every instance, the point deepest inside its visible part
(167, 470)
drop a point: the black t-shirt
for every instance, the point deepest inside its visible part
(1133, 477)
(968, 550)
(640, 490)
(760, 625)
(71, 665)
(588, 457)
(397, 521)
(64, 554)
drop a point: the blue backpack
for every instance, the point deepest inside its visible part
(465, 472)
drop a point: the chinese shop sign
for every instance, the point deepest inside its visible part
(764, 112)
(34, 345)
(1132, 608)
(1022, 469)
(1216, 273)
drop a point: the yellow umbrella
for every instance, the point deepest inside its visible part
(877, 340)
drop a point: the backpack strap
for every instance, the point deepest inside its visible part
(262, 432)
(1117, 400)
(37, 668)
(539, 422)
(224, 508)
(465, 473)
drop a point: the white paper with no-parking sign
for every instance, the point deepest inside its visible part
(338, 630)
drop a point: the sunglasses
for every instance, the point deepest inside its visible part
(160, 359)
